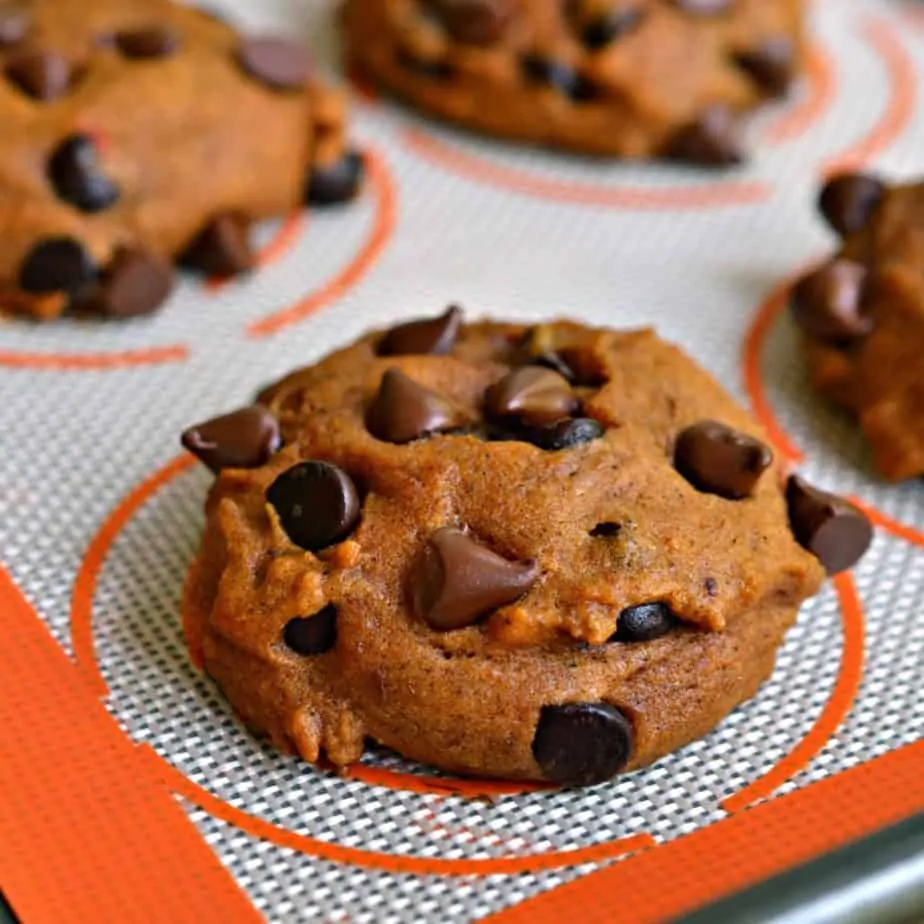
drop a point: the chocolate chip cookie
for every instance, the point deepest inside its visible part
(550, 553)
(633, 78)
(861, 314)
(140, 132)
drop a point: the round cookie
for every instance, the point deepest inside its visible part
(129, 142)
(862, 316)
(633, 78)
(551, 553)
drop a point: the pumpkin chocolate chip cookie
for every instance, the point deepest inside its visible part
(861, 314)
(128, 143)
(551, 553)
(634, 78)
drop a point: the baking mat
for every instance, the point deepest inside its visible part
(99, 515)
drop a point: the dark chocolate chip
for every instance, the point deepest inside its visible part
(426, 67)
(704, 7)
(558, 75)
(771, 64)
(317, 504)
(74, 171)
(57, 264)
(277, 62)
(337, 182)
(582, 744)
(847, 201)
(403, 410)
(644, 623)
(458, 580)
(135, 283)
(531, 394)
(312, 635)
(835, 531)
(566, 434)
(828, 302)
(554, 362)
(222, 247)
(711, 586)
(15, 24)
(606, 530)
(538, 346)
(606, 28)
(719, 460)
(42, 75)
(151, 42)
(242, 439)
(475, 22)
(432, 336)
(712, 140)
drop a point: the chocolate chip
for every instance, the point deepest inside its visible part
(770, 64)
(716, 459)
(42, 75)
(644, 623)
(560, 76)
(458, 580)
(75, 173)
(704, 7)
(848, 201)
(135, 283)
(538, 346)
(611, 25)
(532, 395)
(426, 67)
(403, 410)
(712, 140)
(317, 504)
(312, 635)
(57, 264)
(152, 42)
(475, 22)
(222, 247)
(566, 434)
(15, 24)
(711, 586)
(242, 439)
(828, 302)
(582, 744)
(428, 336)
(336, 182)
(835, 531)
(606, 530)
(276, 62)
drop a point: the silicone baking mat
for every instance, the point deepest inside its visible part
(125, 779)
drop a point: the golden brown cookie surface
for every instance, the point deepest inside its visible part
(634, 78)
(129, 141)
(550, 553)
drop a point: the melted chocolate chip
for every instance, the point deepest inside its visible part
(475, 22)
(770, 64)
(644, 623)
(317, 504)
(151, 42)
(847, 201)
(582, 744)
(242, 439)
(459, 580)
(135, 283)
(606, 530)
(337, 182)
(404, 410)
(430, 336)
(566, 434)
(835, 531)
(42, 75)
(712, 140)
(560, 76)
(276, 62)
(57, 264)
(312, 635)
(74, 171)
(602, 30)
(828, 302)
(532, 395)
(222, 247)
(719, 460)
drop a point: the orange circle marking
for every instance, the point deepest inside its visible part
(901, 103)
(754, 342)
(822, 89)
(675, 197)
(386, 195)
(85, 656)
(73, 362)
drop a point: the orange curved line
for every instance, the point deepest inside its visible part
(277, 247)
(386, 213)
(832, 716)
(822, 90)
(675, 197)
(438, 786)
(753, 374)
(72, 362)
(901, 103)
(908, 533)
(95, 555)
